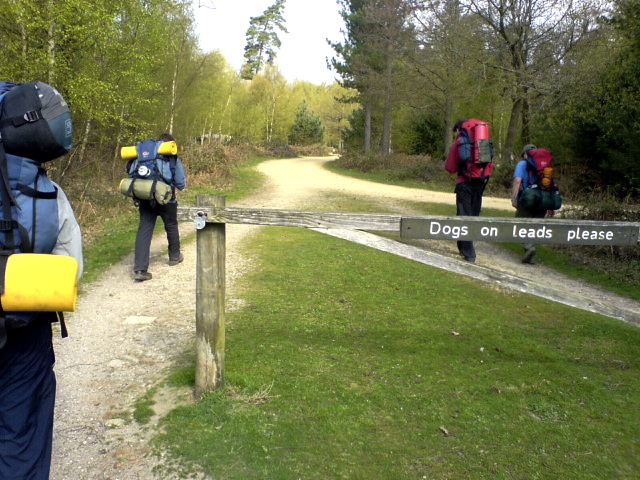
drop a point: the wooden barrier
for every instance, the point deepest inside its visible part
(210, 217)
(490, 229)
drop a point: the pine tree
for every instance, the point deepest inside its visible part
(262, 39)
(307, 128)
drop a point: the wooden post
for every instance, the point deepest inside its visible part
(210, 299)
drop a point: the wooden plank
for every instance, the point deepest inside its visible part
(294, 218)
(210, 299)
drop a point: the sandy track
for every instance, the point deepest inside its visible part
(124, 335)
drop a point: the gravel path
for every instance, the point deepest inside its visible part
(125, 335)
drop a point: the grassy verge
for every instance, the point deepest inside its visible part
(390, 177)
(351, 363)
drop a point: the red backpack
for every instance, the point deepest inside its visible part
(539, 164)
(543, 192)
(476, 150)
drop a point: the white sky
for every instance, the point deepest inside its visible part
(222, 25)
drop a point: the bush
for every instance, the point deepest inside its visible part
(278, 149)
(315, 150)
(398, 166)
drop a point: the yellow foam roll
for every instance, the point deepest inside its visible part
(166, 148)
(128, 153)
(37, 282)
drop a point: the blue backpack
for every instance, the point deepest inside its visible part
(155, 169)
(35, 127)
(149, 163)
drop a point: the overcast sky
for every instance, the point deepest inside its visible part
(222, 25)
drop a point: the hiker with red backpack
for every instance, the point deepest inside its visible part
(471, 157)
(534, 193)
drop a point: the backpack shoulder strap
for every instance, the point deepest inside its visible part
(464, 151)
(173, 160)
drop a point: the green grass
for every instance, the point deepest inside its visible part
(390, 177)
(351, 363)
(116, 242)
(143, 409)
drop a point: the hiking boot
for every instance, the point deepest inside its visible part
(176, 261)
(528, 255)
(468, 258)
(141, 275)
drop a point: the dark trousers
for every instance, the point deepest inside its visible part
(148, 215)
(469, 204)
(525, 213)
(27, 398)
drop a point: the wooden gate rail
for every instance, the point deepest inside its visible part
(492, 229)
(293, 218)
(210, 216)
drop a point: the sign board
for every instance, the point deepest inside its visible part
(550, 231)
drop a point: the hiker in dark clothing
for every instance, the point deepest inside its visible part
(468, 192)
(150, 211)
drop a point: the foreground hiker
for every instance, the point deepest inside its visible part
(534, 193)
(471, 158)
(159, 170)
(44, 223)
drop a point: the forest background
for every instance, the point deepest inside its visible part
(561, 74)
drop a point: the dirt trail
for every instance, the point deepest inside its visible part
(124, 335)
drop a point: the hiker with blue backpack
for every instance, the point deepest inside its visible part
(534, 193)
(153, 179)
(471, 158)
(37, 226)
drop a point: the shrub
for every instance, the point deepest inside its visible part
(279, 149)
(315, 150)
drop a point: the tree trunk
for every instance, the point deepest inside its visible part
(224, 111)
(386, 119)
(174, 86)
(510, 140)
(448, 123)
(526, 128)
(367, 126)
(118, 139)
(51, 52)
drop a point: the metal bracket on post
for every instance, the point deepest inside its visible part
(200, 220)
